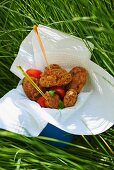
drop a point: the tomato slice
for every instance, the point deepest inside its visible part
(34, 73)
(41, 101)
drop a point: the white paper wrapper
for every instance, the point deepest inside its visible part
(92, 114)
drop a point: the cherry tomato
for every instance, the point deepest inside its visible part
(60, 91)
(34, 73)
(41, 101)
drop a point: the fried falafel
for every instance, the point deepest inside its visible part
(29, 90)
(79, 78)
(55, 76)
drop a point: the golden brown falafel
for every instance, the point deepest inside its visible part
(70, 98)
(52, 101)
(79, 78)
(55, 76)
(29, 90)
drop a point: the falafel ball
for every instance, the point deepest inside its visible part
(70, 98)
(29, 90)
(79, 78)
(52, 101)
(54, 75)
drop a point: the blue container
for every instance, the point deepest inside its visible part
(54, 132)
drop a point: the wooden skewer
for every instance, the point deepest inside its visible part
(41, 44)
(31, 81)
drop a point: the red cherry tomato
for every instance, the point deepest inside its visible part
(34, 73)
(41, 101)
(60, 91)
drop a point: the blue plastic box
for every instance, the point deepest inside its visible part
(54, 132)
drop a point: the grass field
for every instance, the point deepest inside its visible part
(92, 20)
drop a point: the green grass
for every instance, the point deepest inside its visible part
(92, 20)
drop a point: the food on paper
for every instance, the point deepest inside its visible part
(29, 90)
(70, 98)
(54, 75)
(41, 101)
(59, 90)
(79, 78)
(52, 101)
(34, 73)
(59, 87)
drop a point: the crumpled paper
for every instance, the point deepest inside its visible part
(93, 112)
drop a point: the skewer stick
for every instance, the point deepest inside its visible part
(41, 44)
(31, 81)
